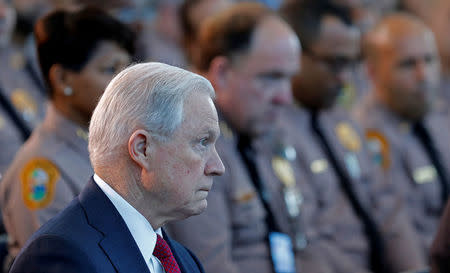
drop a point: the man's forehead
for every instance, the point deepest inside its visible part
(418, 43)
(274, 44)
(272, 29)
(335, 33)
(199, 103)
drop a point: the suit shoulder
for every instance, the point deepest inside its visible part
(71, 224)
(61, 255)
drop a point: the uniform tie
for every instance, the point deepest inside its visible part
(373, 233)
(164, 254)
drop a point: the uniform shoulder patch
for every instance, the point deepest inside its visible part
(348, 137)
(379, 148)
(38, 181)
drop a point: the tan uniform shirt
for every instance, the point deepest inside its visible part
(399, 151)
(24, 92)
(47, 173)
(440, 250)
(374, 192)
(10, 141)
(231, 235)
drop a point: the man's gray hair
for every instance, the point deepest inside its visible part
(146, 96)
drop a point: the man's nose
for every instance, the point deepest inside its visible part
(283, 95)
(215, 166)
(421, 71)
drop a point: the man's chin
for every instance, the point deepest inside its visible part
(199, 208)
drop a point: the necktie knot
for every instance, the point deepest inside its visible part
(164, 254)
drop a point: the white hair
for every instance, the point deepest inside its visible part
(147, 96)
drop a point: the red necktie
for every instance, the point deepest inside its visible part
(164, 254)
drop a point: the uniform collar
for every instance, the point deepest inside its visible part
(70, 132)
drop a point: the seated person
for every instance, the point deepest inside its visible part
(79, 54)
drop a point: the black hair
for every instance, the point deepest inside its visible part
(187, 26)
(70, 38)
(305, 17)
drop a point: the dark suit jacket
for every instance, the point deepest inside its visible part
(91, 236)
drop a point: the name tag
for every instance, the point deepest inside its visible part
(319, 165)
(282, 252)
(424, 175)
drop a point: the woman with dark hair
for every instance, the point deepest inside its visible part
(79, 53)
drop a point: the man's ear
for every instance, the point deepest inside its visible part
(139, 148)
(218, 72)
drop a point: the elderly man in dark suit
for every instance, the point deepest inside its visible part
(152, 146)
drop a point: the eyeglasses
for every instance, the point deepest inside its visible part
(129, 15)
(335, 63)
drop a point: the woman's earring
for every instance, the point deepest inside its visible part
(68, 91)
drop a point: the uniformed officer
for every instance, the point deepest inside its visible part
(406, 136)
(366, 220)
(79, 54)
(256, 214)
(21, 98)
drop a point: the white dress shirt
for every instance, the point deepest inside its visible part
(141, 230)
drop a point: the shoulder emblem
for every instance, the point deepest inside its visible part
(39, 177)
(348, 136)
(379, 148)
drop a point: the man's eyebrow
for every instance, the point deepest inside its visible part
(213, 133)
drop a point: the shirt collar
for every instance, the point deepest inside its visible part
(141, 230)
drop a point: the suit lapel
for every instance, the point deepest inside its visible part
(117, 243)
